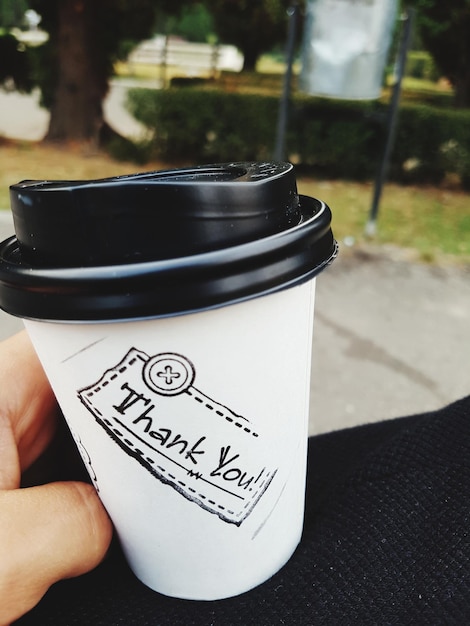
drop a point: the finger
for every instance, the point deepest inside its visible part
(47, 533)
(27, 404)
(10, 470)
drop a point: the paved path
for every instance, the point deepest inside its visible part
(21, 117)
(391, 337)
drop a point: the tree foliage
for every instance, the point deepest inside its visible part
(254, 26)
(15, 65)
(194, 23)
(445, 31)
(12, 13)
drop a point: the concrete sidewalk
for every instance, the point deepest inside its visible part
(391, 338)
(21, 117)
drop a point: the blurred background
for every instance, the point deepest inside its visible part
(368, 98)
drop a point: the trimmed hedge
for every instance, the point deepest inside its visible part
(337, 138)
(206, 125)
(419, 64)
(334, 138)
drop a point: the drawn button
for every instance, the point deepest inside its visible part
(168, 374)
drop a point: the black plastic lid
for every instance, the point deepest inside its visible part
(152, 216)
(160, 243)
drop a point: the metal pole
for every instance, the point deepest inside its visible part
(285, 97)
(163, 63)
(371, 226)
(215, 59)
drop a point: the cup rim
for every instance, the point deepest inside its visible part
(169, 287)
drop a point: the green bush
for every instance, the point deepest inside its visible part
(341, 139)
(337, 138)
(201, 125)
(419, 64)
(430, 143)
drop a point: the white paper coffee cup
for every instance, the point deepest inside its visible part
(194, 431)
(173, 315)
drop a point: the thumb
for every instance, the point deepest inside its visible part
(47, 533)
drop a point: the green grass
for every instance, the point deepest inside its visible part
(433, 222)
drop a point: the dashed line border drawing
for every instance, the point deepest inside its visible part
(148, 455)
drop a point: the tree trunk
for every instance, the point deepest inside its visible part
(77, 108)
(462, 90)
(250, 58)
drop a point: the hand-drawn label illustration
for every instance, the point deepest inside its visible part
(205, 451)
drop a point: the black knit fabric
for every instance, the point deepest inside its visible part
(386, 541)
